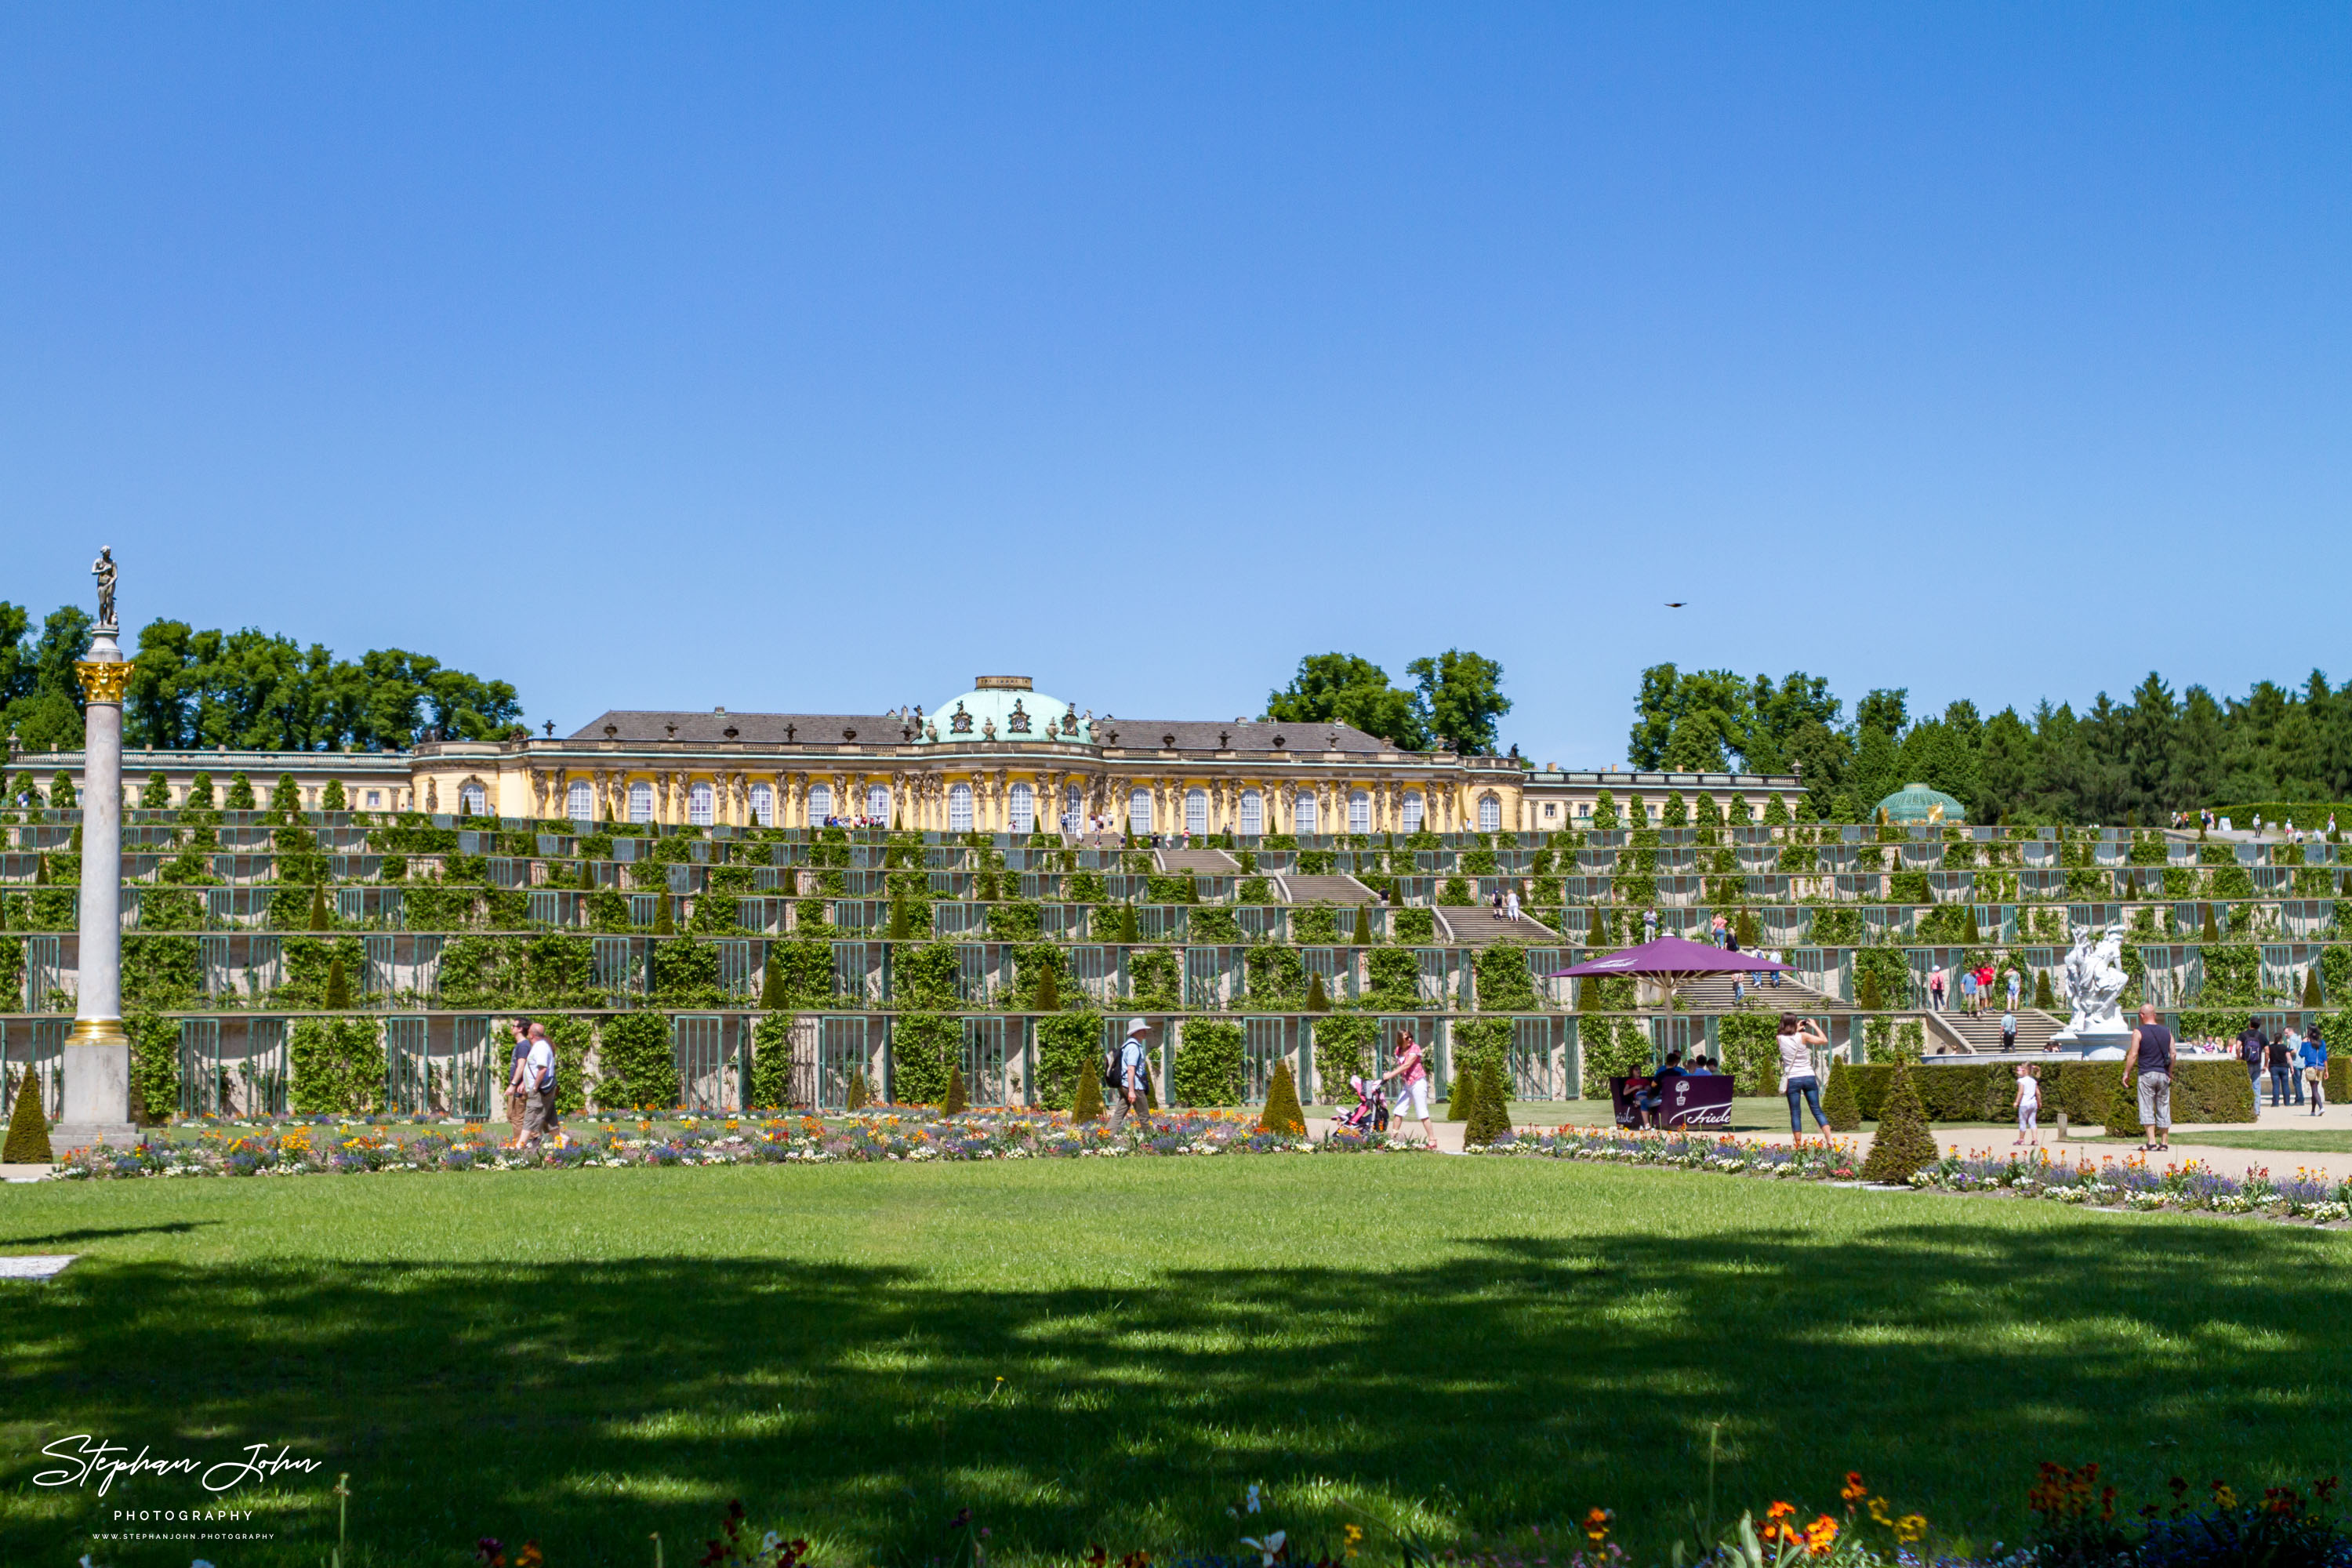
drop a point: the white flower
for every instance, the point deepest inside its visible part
(1267, 1549)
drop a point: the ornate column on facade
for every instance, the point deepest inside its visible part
(97, 1056)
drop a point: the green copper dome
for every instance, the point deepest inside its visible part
(1007, 707)
(1918, 802)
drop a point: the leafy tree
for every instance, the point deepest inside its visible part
(253, 689)
(40, 699)
(1344, 688)
(1460, 696)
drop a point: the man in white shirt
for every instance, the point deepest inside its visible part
(535, 1075)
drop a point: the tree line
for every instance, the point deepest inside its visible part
(1455, 700)
(2138, 761)
(246, 689)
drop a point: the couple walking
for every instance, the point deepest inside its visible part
(531, 1085)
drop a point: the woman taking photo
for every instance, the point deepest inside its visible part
(1798, 1040)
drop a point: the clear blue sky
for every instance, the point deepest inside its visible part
(824, 357)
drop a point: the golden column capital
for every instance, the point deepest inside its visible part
(103, 682)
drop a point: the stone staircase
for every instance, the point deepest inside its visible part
(1982, 1032)
(1346, 890)
(1196, 862)
(1476, 926)
(1712, 994)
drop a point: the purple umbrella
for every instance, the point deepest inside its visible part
(1670, 962)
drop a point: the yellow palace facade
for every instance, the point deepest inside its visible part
(1004, 757)
(1000, 757)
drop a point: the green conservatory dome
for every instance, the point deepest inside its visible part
(1007, 707)
(1918, 802)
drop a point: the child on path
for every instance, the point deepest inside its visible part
(2029, 1104)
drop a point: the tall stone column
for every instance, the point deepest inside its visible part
(97, 1108)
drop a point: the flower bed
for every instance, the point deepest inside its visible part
(918, 1134)
(2195, 1186)
(885, 1135)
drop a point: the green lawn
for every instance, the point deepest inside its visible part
(1441, 1344)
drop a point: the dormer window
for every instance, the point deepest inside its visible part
(1069, 721)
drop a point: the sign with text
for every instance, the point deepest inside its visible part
(1678, 1100)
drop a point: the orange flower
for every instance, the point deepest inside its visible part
(1855, 1491)
(1780, 1511)
(1821, 1535)
(1596, 1525)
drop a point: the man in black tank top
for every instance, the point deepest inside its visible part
(2148, 1065)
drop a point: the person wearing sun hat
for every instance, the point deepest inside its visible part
(1134, 1067)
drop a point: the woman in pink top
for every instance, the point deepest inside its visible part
(1412, 1089)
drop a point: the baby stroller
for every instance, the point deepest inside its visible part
(1369, 1113)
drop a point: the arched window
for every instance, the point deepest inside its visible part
(1138, 811)
(580, 801)
(1023, 801)
(1302, 816)
(1252, 813)
(764, 805)
(1359, 812)
(1490, 813)
(1074, 808)
(1196, 811)
(699, 799)
(473, 799)
(877, 802)
(1413, 811)
(959, 808)
(820, 804)
(641, 802)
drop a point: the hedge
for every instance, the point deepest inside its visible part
(2201, 1090)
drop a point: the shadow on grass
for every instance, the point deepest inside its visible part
(587, 1405)
(111, 1233)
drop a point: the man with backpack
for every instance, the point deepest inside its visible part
(535, 1075)
(1127, 1073)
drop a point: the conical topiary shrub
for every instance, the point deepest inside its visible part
(771, 984)
(1489, 1120)
(2041, 997)
(1839, 1102)
(857, 1099)
(1318, 999)
(663, 924)
(1048, 998)
(28, 1125)
(957, 1101)
(339, 986)
(1866, 994)
(1975, 933)
(1363, 925)
(1086, 1104)
(2123, 1108)
(2210, 930)
(1130, 930)
(1903, 1142)
(1282, 1110)
(2311, 986)
(319, 920)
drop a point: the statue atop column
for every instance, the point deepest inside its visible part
(103, 569)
